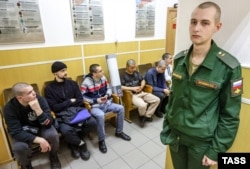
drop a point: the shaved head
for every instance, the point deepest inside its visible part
(130, 62)
(17, 88)
(214, 5)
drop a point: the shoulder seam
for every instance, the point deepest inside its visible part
(228, 59)
(181, 54)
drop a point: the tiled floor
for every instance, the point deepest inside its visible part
(144, 151)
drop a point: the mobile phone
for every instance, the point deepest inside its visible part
(103, 98)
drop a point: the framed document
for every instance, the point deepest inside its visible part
(20, 22)
(87, 20)
(145, 18)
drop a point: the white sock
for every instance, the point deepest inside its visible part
(81, 143)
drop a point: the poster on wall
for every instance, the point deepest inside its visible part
(20, 22)
(145, 18)
(87, 20)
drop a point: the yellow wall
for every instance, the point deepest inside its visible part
(242, 140)
(5, 152)
(33, 65)
(245, 74)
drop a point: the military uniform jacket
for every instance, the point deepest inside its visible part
(206, 105)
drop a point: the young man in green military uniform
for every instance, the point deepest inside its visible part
(202, 115)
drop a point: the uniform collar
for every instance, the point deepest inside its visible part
(210, 58)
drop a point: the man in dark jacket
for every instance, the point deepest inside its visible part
(63, 95)
(28, 119)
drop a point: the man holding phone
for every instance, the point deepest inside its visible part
(95, 90)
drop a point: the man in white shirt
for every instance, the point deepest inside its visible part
(168, 72)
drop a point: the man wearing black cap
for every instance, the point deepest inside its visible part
(63, 96)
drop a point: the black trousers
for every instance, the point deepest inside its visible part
(74, 134)
(163, 102)
(22, 151)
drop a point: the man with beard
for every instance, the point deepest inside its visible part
(63, 96)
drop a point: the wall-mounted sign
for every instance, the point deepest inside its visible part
(145, 18)
(87, 20)
(20, 22)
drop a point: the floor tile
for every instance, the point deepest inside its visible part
(150, 165)
(14, 165)
(151, 132)
(160, 159)
(135, 158)
(151, 149)
(138, 138)
(144, 151)
(5, 166)
(118, 163)
(122, 147)
(103, 159)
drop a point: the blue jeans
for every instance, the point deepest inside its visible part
(99, 114)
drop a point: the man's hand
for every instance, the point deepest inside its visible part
(44, 145)
(207, 161)
(166, 91)
(137, 89)
(34, 105)
(102, 99)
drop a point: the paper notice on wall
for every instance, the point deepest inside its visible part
(145, 18)
(20, 22)
(87, 20)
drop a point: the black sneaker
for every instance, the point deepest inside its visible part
(159, 114)
(149, 119)
(102, 146)
(74, 151)
(123, 136)
(142, 120)
(84, 153)
(54, 161)
(29, 166)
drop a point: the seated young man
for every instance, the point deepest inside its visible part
(28, 119)
(64, 98)
(95, 90)
(156, 78)
(146, 102)
(168, 72)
